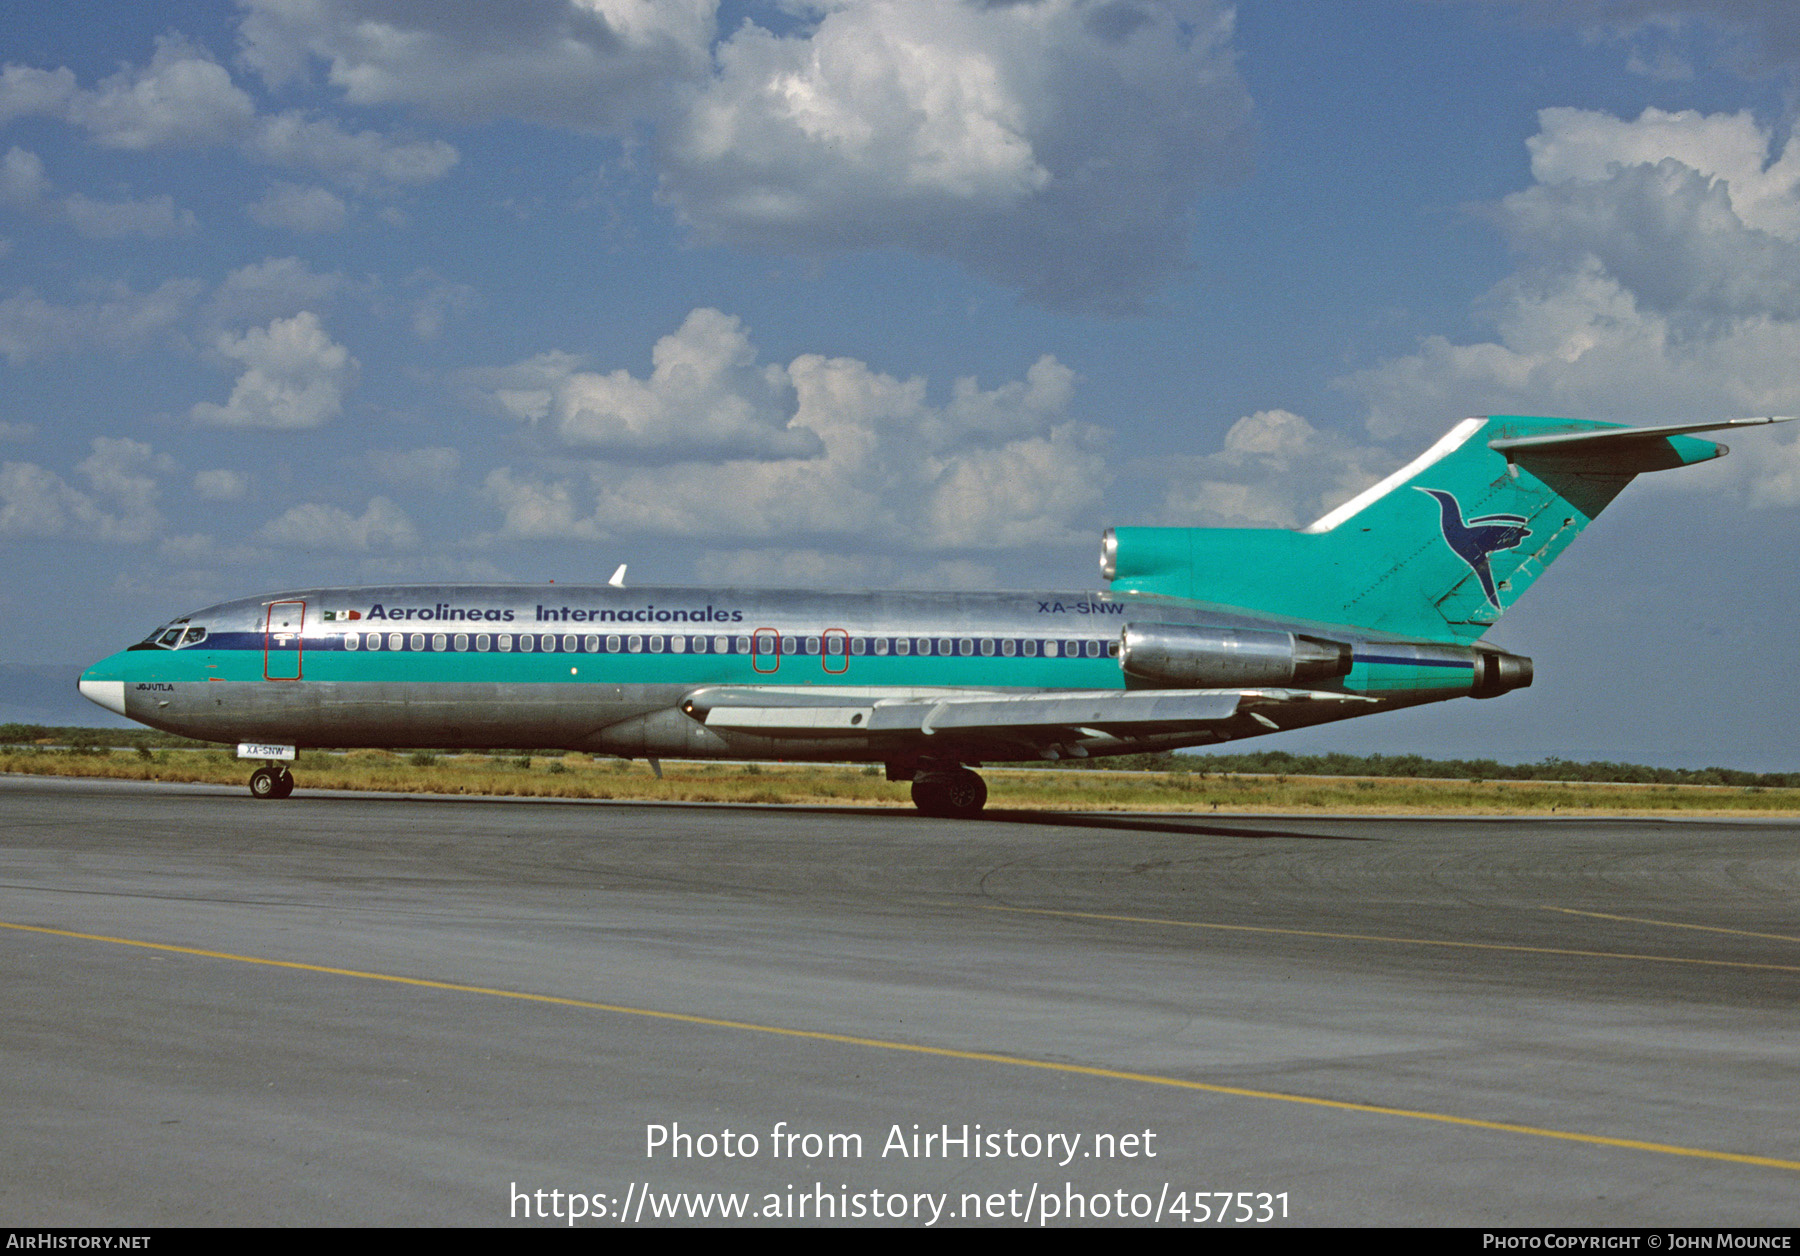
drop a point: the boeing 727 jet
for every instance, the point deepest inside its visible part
(1204, 635)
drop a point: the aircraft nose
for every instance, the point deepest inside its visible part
(107, 693)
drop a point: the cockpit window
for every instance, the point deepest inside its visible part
(173, 636)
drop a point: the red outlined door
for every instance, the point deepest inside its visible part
(765, 650)
(835, 654)
(281, 640)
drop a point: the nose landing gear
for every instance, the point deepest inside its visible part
(274, 781)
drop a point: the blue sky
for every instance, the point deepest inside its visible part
(925, 294)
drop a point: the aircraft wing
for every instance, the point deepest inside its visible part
(1108, 712)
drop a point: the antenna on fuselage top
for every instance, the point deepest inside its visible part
(618, 577)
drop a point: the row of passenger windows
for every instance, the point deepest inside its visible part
(764, 645)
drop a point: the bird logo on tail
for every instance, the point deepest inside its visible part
(1473, 541)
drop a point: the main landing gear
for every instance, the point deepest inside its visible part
(273, 781)
(955, 793)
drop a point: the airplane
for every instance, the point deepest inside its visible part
(1203, 636)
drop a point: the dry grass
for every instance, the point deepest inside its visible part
(582, 776)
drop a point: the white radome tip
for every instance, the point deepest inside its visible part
(107, 693)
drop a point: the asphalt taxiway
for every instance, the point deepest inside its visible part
(380, 1009)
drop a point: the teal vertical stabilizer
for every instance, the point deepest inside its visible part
(1437, 550)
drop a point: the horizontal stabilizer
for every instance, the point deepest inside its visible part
(1617, 437)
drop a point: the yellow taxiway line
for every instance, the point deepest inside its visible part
(912, 1048)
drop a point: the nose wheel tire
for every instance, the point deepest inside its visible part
(956, 795)
(271, 783)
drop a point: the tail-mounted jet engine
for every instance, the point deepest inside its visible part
(1179, 656)
(1497, 672)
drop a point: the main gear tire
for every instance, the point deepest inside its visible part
(958, 795)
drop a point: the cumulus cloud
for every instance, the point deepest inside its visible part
(1275, 470)
(181, 98)
(364, 160)
(881, 465)
(589, 65)
(276, 287)
(25, 185)
(317, 526)
(1657, 283)
(33, 328)
(23, 181)
(1055, 146)
(292, 207)
(185, 99)
(1763, 30)
(155, 218)
(706, 397)
(119, 504)
(123, 320)
(295, 376)
(26, 90)
(537, 510)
